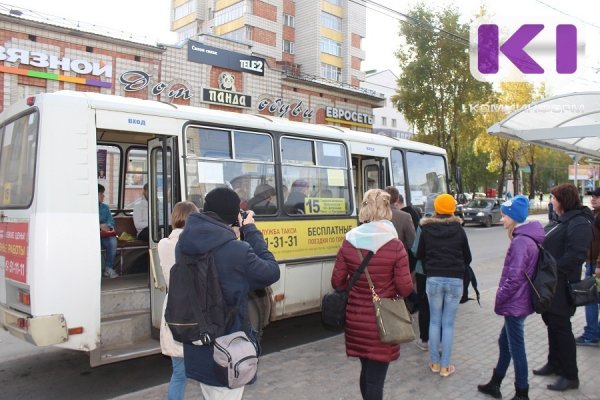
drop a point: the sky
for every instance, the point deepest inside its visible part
(382, 38)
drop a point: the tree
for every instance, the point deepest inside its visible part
(436, 86)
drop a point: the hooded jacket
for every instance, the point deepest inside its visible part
(390, 274)
(568, 239)
(443, 247)
(242, 266)
(513, 297)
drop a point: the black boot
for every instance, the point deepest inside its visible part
(493, 386)
(521, 394)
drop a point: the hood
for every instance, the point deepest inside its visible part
(204, 232)
(583, 210)
(442, 226)
(372, 235)
(533, 229)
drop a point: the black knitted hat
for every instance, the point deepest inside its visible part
(225, 203)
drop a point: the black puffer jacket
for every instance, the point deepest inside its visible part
(568, 239)
(444, 247)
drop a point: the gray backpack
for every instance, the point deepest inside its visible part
(236, 359)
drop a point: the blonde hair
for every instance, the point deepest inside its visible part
(511, 227)
(375, 206)
(180, 213)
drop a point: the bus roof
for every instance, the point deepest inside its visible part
(253, 121)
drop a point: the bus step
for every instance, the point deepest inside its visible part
(111, 354)
(122, 329)
(124, 300)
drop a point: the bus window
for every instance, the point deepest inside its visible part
(316, 173)
(398, 172)
(136, 175)
(17, 161)
(109, 162)
(426, 175)
(242, 161)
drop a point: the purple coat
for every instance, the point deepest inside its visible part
(513, 297)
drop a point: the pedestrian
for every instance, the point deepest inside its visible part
(166, 254)
(242, 266)
(444, 251)
(415, 214)
(401, 220)
(108, 240)
(421, 283)
(513, 296)
(389, 271)
(591, 331)
(568, 240)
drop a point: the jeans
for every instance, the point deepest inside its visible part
(372, 378)
(512, 346)
(178, 380)
(444, 295)
(110, 244)
(591, 331)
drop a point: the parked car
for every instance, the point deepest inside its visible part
(484, 211)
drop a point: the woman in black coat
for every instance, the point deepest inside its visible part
(567, 239)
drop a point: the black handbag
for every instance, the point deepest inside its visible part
(583, 292)
(333, 305)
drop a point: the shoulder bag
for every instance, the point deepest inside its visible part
(393, 319)
(583, 292)
(333, 305)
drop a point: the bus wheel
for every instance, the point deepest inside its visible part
(259, 308)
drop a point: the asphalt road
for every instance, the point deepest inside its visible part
(30, 373)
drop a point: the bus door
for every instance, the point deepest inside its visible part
(163, 193)
(371, 174)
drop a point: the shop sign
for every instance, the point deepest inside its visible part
(226, 94)
(348, 117)
(281, 109)
(134, 81)
(204, 54)
(43, 60)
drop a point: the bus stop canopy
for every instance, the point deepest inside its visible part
(567, 122)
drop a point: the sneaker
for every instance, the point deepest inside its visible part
(109, 273)
(434, 367)
(582, 341)
(422, 345)
(447, 371)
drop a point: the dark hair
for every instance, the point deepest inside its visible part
(394, 194)
(567, 195)
(101, 188)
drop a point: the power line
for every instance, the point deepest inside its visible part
(567, 14)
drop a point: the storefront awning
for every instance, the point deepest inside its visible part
(568, 122)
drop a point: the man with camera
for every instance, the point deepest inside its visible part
(242, 266)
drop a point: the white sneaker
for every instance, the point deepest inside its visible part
(422, 345)
(109, 273)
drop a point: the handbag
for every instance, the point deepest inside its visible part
(584, 292)
(333, 305)
(393, 319)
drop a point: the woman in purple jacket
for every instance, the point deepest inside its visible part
(513, 298)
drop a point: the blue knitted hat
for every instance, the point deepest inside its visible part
(516, 208)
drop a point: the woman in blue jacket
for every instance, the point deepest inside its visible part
(513, 298)
(242, 266)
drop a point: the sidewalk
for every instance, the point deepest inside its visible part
(321, 370)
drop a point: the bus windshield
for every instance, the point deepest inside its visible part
(426, 175)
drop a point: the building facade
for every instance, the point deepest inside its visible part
(318, 38)
(206, 71)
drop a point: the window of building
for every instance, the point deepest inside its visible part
(288, 20)
(184, 9)
(239, 35)
(331, 47)
(383, 121)
(186, 32)
(331, 21)
(334, 2)
(288, 46)
(393, 122)
(331, 72)
(230, 13)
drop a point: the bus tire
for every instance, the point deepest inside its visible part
(259, 310)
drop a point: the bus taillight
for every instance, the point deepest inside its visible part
(31, 101)
(76, 331)
(23, 323)
(24, 297)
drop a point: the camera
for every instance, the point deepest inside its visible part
(243, 214)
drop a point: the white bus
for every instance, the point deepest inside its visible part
(56, 148)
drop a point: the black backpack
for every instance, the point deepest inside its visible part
(196, 310)
(543, 281)
(470, 279)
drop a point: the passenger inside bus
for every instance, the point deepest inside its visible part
(295, 201)
(108, 240)
(140, 215)
(263, 202)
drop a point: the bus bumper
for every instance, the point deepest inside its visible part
(40, 331)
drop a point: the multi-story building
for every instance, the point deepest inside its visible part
(319, 38)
